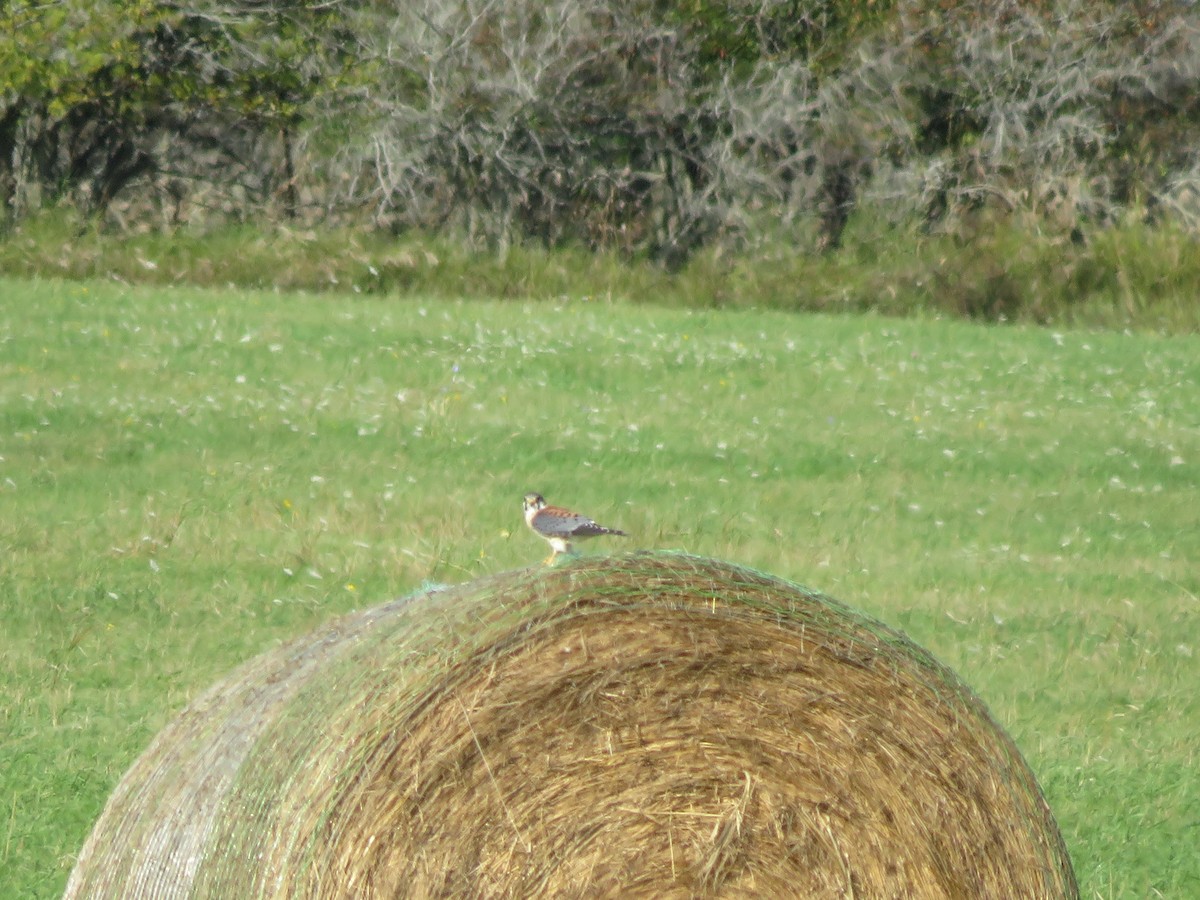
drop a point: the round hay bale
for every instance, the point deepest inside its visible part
(644, 725)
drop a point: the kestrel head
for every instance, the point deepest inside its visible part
(534, 501)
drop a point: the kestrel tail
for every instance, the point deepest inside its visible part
(560, 526)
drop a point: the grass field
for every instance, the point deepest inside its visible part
(189, 477)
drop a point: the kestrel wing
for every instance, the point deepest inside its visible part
(587, 528)
(554, 521)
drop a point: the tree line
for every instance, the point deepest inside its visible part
(653, 127)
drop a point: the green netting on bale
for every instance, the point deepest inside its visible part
(651, 724)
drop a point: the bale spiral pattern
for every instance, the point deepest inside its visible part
(653, 724)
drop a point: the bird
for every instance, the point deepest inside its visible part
(560, 526)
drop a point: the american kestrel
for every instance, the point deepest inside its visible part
(560, 526)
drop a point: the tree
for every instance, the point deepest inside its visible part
(97, 94)
(655, 127)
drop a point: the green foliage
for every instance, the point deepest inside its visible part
(817, 33)
(95, 95)
(134, 57)
(191, 476)
(57, 56)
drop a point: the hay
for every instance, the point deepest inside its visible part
(646, 725)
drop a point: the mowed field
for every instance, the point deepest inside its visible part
(191, 477)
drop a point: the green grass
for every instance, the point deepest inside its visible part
(1126, 276)
(191, 476)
